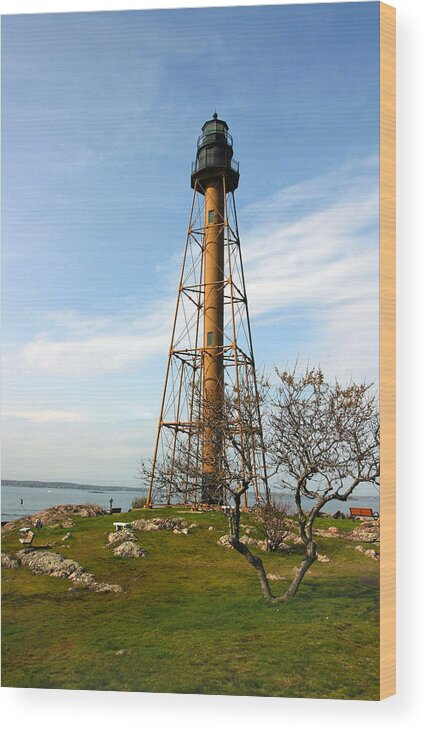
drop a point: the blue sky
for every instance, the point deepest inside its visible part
(101, 113)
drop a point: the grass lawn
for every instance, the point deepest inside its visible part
(191, 618)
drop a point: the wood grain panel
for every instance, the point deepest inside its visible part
(388, 348)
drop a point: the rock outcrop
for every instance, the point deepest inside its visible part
(162, 524)
(55, 565)
(44, 562)
(296, 539)
(368, 531)
(323, 558)
(124, 544)
(250, 541)
(330, 533)
(118, 537)
(368, 552)
(129, 549)
(56, 515)
(9, 562)
(95, 587)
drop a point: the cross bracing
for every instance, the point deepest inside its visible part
(184, 427)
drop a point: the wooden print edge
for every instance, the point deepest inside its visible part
(388, 349)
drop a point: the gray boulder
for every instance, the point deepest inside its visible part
(224, 541)
(9, 562)
(248, 540)
(129, 549)
(103, 587)
(368, 531)
(118, 537)
(323, 558)
(95, 587)
(368, 552)
(372, 554)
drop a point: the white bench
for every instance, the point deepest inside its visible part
(120, 525)
(27, 537)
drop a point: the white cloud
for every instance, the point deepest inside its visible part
(311, 248)
(45, 415)
(91, 345)
(92, 355)
(315, 249)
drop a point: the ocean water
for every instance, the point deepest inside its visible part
(19, 501)
(367, 501)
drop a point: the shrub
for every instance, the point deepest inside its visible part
(271, 523)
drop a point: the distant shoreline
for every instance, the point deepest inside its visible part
(88, 487)
(62, 484)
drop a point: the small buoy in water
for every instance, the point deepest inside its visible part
(22, 501)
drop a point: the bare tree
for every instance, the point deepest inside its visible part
(323, 442)
(326, 439)
(232, 424)
(234, 427)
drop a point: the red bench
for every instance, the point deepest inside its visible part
(367, 513)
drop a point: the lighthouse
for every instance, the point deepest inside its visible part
(214, 173)
(211, 352)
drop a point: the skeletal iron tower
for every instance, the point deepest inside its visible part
(211, 367)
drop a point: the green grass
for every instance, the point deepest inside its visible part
(191, 618)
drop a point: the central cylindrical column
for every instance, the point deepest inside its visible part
(213, 383)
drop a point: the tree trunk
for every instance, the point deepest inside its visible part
(256, 562)
(305, 565)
